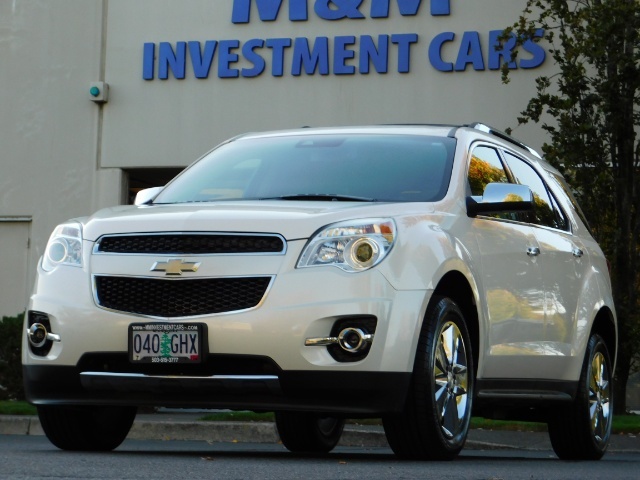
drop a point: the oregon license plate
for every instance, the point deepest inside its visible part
(165, 343)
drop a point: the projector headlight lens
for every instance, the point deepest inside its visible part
(64, 247)
(352, 246)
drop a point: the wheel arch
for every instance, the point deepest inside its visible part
(604, 325)
(456, 286)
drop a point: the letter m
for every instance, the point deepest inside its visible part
(380, 8)
(268, 10)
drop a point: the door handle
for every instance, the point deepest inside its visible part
(533, 251)
(577, 252)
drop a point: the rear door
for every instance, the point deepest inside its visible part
(563, 260)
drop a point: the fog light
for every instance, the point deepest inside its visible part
(350, 338)
(353, 340)
(37, 335)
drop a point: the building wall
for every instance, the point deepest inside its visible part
(64, 155)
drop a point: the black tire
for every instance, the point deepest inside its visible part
(86, 428)
(582, 429)
(443, 377)
(308, 432)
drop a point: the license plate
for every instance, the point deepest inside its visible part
(165, 343)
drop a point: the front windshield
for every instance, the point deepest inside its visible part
(386, 168)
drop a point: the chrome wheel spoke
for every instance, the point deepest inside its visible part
(450, 418)
(599, 398)
(442, 362)
(450, 375)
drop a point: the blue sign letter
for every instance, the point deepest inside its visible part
(378, 56)
(380, 8)
(277, 63)
(202, 63)
(435, 51)
(248, 50)
(227, 57)
(440, 7)
(498, 51)
(268, 10)
(148, 61)
(404, 41)
(343, 9)
(539, 54)
(310, 59)
(341, 54)
(470, 52)
(170, 60)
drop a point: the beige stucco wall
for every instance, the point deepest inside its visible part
(61, 154)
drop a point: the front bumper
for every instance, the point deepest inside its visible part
(345, 393)
(255, 359)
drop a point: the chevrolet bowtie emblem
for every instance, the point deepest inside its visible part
(175, 266)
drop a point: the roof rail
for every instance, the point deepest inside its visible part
(504, 136)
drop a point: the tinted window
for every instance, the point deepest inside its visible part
(567, 190)
(396, 168)
(546, 211)
(485, 167)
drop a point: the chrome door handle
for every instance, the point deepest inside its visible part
(577, 252)
(533, 251)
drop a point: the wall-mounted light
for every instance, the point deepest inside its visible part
(99, 92)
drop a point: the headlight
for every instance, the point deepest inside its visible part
(64, 247)
(352, 246)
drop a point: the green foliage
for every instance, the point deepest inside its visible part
(589, 108)
(621, 423)
(14, 407)
(240, 416)
(10, 361)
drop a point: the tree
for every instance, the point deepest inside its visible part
(589, 108)
(10, 361)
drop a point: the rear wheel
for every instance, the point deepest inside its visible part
(435, 420)
(86, 428)
(582, 429)
(308, 432)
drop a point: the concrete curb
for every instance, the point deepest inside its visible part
(265, 432)
(185, 427)
(233, 432)
(20, 425)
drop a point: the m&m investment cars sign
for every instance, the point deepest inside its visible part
(338, 55)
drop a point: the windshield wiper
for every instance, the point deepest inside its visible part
(323, 197)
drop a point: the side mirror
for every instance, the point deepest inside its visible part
(146, 195)
(501, 198)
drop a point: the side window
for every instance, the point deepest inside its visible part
(485, 167)
(567, 190)
(546, 212)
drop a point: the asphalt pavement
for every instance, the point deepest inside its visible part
(187, 425)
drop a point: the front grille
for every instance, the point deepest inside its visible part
(179, 298)
(190, 244)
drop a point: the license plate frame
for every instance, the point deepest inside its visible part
(161, 343)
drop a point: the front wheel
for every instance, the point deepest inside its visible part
(436, 416)
(308, 432)
(86, 428)
(582, 429)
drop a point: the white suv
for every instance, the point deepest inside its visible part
(418, 274)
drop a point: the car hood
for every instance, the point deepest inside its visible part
(291, 219)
